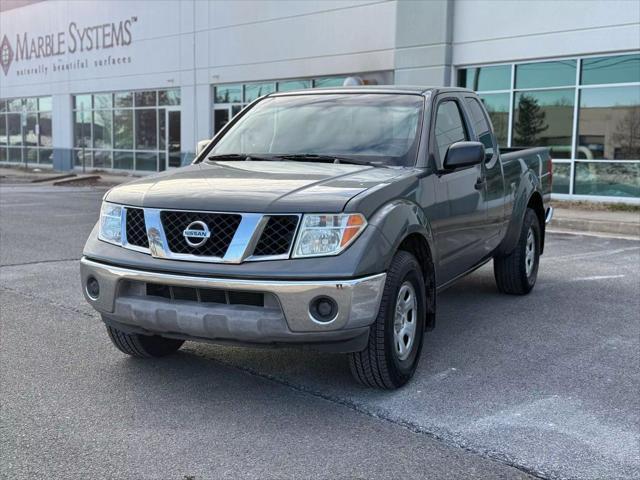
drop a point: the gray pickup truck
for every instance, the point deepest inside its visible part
(320, 218)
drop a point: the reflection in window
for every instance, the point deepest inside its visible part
(607, 178)
(546, 74)
(102, 100)
(3, 131)
(289, 85)
(329, 82)
(44, 120)
(561, 177)
(449, 127)
(485, 78)
(253, 91)
(145, 99)
(123, 99)
(609, 123)
(123, 128)
(169, 97)
(228, 94)
(82, 102)
(123, 160)
(146, 161)
(102, 159)
(544, 118)
(30, 130)
(102, 129)
(13, 129)
(82, 129)
(618, 69)
(497, 106)
(146, 129)
(22, 125)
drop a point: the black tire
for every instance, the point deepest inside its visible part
(379, 365)
(143, 346)
(510, 271)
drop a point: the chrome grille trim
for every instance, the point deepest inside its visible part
(240, 249)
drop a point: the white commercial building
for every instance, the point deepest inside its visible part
(133, 85)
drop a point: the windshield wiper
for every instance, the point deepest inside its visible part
(312, 157)
(244, 157)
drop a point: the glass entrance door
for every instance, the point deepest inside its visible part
(172, 140)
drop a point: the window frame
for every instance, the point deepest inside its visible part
(439, 100)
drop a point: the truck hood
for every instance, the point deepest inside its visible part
(254, 186)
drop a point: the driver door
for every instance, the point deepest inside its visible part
(459, 230)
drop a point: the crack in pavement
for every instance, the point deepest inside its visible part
(36, 262)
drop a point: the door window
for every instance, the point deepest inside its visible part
(480, 125)
(449, 127)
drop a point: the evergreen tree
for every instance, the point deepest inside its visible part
(530, 121)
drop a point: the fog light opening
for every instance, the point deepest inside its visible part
(323, 309)
(93, 288)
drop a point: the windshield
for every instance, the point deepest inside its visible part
(380, 128)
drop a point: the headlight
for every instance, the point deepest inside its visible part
(327, 234)
(111, 223)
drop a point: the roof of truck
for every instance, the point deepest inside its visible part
(402, 89)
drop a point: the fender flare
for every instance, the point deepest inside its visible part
(405, 226)
(529, 185)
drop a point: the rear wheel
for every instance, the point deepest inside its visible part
(395, 340)
(517, 272)
(143, 346)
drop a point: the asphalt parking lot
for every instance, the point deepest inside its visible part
(545, 385)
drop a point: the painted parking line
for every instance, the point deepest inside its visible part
(598, 277)
(594, 254)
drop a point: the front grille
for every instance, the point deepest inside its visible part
(136, 228)
(205, 295)
(221, 225)
(277, 236)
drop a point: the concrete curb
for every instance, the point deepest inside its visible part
(53, 178)
(77, 179)
(596, 226)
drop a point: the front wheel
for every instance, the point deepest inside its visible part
(143, 346)
(517, 272)
(395, 339)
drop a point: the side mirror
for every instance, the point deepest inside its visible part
(202, 144)
(463, 154)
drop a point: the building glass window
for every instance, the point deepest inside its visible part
(487, 78)
(169, 97)
(609, 123)
(546, 74)
(544, 118)
(25, 128)
(228, 100)
(256, 90)
(618, 69)
(497, 105)
(228, 94)
(607, 179)
(122, 130)
(328, 82)
(289, 85)
(592, 121)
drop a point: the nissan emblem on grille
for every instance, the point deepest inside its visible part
(196, 234)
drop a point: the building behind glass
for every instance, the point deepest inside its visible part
(133, 85)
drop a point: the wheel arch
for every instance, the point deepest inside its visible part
(416, 244)
(406, 227)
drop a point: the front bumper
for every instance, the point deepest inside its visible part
(282, 318)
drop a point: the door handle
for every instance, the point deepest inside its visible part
(480, 183)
